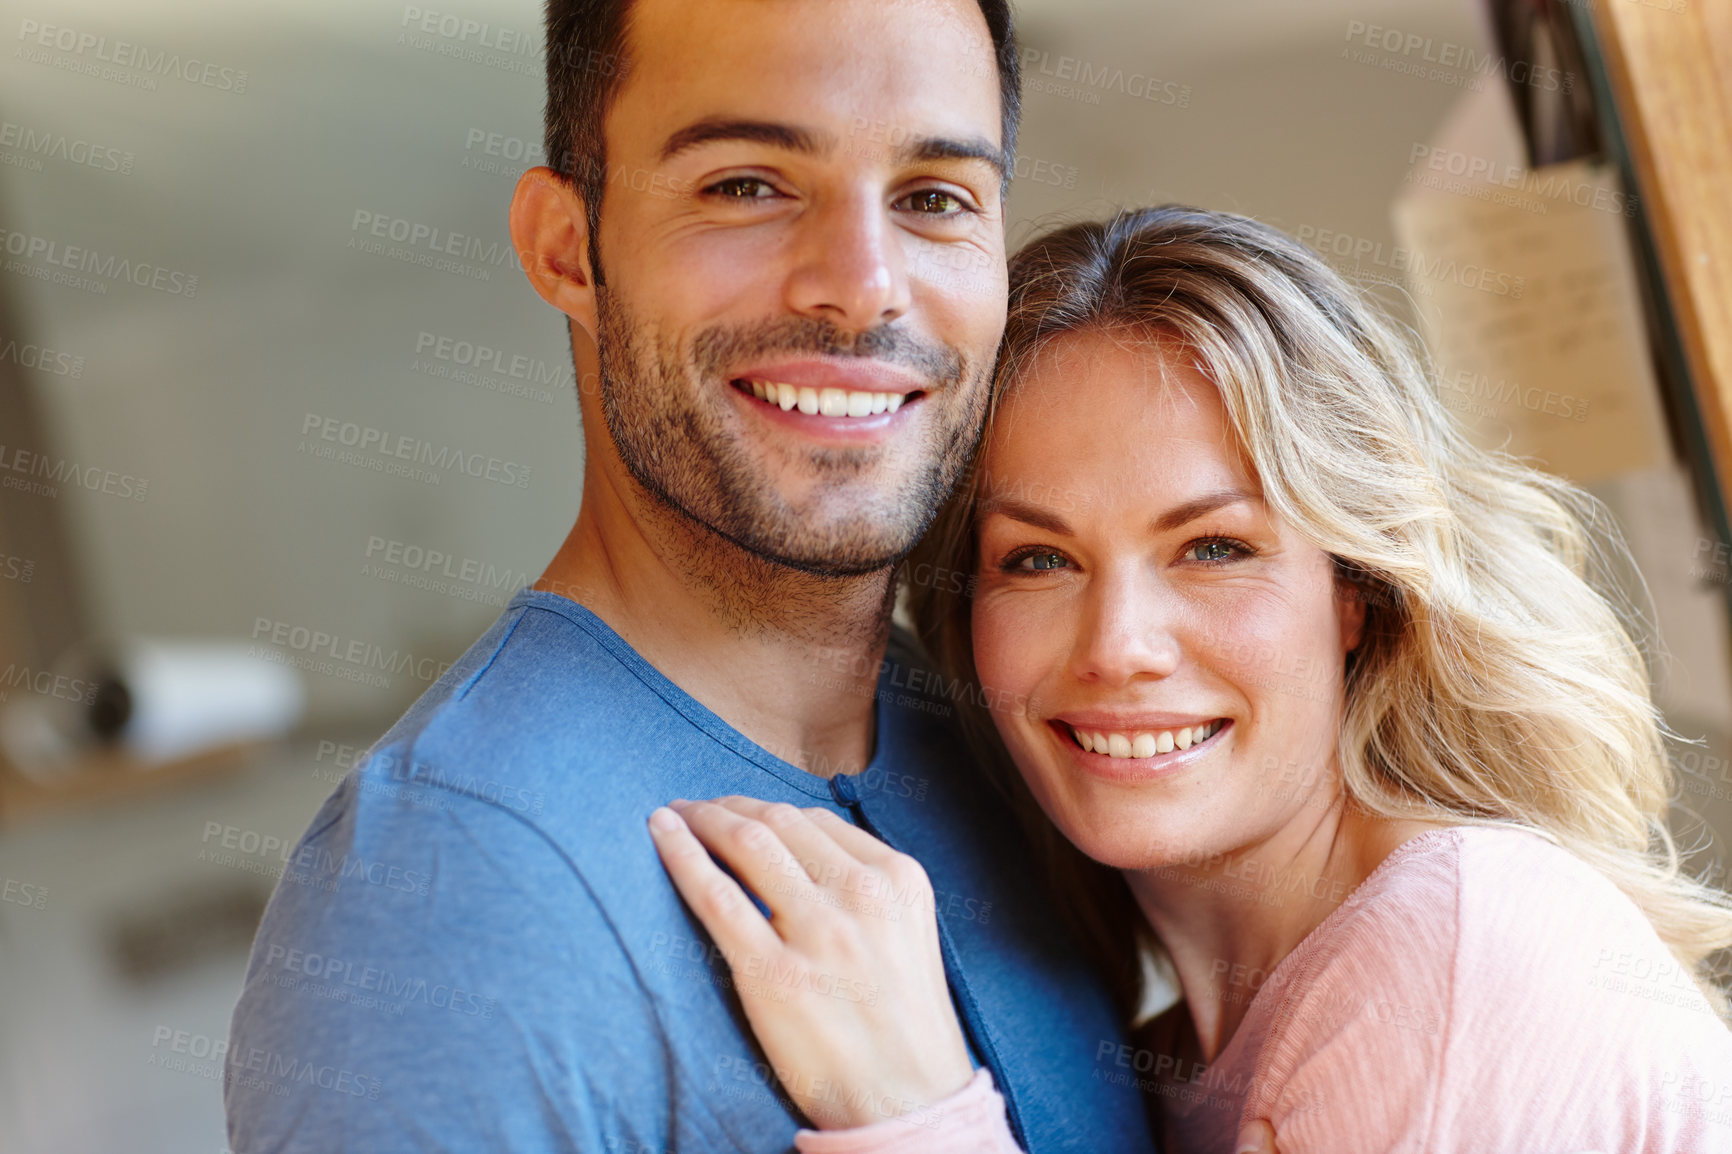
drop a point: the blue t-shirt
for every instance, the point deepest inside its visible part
(475, 947)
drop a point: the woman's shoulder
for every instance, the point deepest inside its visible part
(1505, 920)
(1544, 933)
(1490, 981)
(1527, 910)
(1490, 885)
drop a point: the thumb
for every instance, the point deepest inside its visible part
(1256, 1137)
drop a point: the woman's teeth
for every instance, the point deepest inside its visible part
(1146, 744)
(826, 402)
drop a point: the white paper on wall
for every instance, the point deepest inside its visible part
(1525, 288)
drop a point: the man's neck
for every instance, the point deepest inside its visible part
(790, 659)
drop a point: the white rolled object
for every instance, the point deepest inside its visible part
(187, 697)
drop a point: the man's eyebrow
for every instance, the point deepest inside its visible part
(1028, 514)
(945, 148)
(788, 136)
(1191, 510)
(793, 138)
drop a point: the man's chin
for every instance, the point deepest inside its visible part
(840, 556)
(848, 530)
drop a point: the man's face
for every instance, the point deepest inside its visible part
(803, 249)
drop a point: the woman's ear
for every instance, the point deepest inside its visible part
(1350, 611)
(550, 231)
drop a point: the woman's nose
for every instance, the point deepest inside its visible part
(1126, 631)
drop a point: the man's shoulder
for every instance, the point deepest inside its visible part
(547, 669)
(548, 716)
(415, 944)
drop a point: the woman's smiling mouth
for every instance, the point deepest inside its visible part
(1137, 743)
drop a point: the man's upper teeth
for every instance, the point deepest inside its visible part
(829, 402)
(1144, 744)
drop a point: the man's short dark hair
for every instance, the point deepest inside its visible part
(586, 60)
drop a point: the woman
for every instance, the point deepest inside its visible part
(1328, 701)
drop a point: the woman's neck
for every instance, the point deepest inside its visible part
(1229, 922)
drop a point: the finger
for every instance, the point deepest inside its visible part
(812, 847)
(860, 845)
(863, 846)
(758, 857)
(1257, 1137)
(715, 898)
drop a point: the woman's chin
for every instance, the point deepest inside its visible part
(1121, 837)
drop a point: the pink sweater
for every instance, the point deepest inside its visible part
(1482, 992)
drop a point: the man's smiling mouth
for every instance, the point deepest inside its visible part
(827, 402)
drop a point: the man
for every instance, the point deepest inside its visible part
(782, 255)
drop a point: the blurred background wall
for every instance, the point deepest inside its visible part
(219, 392)
(327, 118)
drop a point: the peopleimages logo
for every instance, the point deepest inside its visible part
(352, 978)
(474, 355)
(1463, 65)
(391, 452)
(82, 259)
(463, 30)
(1090, 78)
(1551, 184)
(433, 239)
(58, 146)
(40, 474)
(86, 51)
(302, 639)
(253, 1068)
(1442, 270)
(401, 559)
(42, 359)
(46, 683)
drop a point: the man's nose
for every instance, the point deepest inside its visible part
(1127, 631)
(849, 265)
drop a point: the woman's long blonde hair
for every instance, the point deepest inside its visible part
(1501, 678)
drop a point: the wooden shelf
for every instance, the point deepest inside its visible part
(109, 777)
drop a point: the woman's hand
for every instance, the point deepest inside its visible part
(844, 985)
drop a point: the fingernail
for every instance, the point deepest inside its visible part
(664, 819)
(679, 803)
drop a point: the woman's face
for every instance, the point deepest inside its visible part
(1134, 593)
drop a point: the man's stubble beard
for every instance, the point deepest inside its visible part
(663, 408)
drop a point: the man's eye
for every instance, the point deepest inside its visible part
(932, 202)
(1030, 561)
(742, 188)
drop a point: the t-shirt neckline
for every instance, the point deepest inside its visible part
(693, 710)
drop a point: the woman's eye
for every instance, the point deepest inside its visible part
(742, 188)
(932, 202)
(1211, 551)
(1031, 561)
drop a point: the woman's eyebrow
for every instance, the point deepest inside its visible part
(1191, 510)
(1042, 518)
(1028, 514)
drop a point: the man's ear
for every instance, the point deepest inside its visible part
(550, 231)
